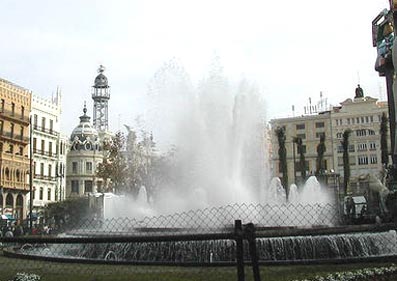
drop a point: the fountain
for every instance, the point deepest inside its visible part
(220, 171)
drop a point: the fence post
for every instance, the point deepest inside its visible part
(238, 231)
(249, 231)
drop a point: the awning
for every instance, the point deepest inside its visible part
(7, 217)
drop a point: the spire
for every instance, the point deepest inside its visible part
(85, 117)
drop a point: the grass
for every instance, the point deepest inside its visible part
(50, 271)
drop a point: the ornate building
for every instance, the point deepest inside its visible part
(83, 158)
(15, 107)
(362, 115)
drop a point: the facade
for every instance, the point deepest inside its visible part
(15, 107)
(83, 158)
(309, 128)
(48, 152)
(86, 143)
(362, 115)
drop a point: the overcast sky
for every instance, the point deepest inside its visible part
(291, 49)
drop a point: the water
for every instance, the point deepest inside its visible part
(221, 150)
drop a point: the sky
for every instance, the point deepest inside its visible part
(292, 50)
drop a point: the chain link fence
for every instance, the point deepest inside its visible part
(233, 242)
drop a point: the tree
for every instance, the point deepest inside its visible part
(113, 168)
(302, 160)
(282, 154)
(346, 164)
(383, 140)
(320, 155)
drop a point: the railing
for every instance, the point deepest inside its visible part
(199, 245)
(45, 130)
(43, 177)
(44, 153)
(14, 137)
(14, 115)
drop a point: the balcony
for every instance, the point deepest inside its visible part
(45, 130)
(10, 136)
(38, 152)
(14, 116)
(42, 177)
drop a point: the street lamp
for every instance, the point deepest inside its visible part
(30, 174)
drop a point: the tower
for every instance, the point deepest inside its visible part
(101, 96)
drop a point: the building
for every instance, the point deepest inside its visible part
(86, 141)
(48, 152)
(14, 139)
(362, 115)
(83, 158)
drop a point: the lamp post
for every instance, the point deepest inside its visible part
(30, 174)
(383, 34)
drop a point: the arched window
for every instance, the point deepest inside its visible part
(18, 175)
(9, 200)
(19, 202)
(7, 174)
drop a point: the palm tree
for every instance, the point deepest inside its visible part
(320, 155)
(383, 140)
(346, 164)
(282, 154)
(302, 160)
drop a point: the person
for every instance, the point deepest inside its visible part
(9, 233)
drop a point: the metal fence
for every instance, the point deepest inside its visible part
(234, 242)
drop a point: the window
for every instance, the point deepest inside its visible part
(42, 146)
(12, 109)
(300, 126)
(42, 169)
(34, 145)
(358, 120)
(43, 124)
(75, 186)
(21, 150)
(373, 159)
(362, 119)
(74, 167)
(49, 170)
(302, 136)
(18, 175)
(339, 135)
(50, 148)
(303, 149)
(35, 121)
(362, 159)
(371, 118)
(11, 150)
(348, 121)
(51, 125)
(372, 146)
(87, 186)
(319, 124)
(366, 119)
(340, 149)
(318, 135)
(371, 132)
(351, 147)
(21, 132)
(22, 112)
(12, 130)
(88, 167)
(362, 147)
(41, 193)
(49, 194)
(1, 127)
(361, 133)
(34, 192)
(3, 102)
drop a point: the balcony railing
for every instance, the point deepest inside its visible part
(44, 153)
(14, 115)
(14, 137)
(43, 177)
(45, 130)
